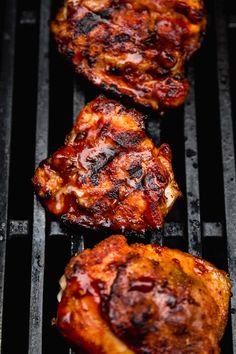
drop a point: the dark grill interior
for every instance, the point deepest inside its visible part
(39, 95)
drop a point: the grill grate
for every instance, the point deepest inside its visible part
(33, 243)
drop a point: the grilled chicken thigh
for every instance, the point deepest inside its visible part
(108, 173)
(133, 48)
(142, 299)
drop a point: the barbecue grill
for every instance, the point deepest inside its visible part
(39, 95)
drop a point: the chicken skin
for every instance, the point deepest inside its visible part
(120, 298)
(132, 48)
(108, 173)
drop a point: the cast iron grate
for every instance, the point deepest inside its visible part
(38, 96)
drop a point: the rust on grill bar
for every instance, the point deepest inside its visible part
(196, 224)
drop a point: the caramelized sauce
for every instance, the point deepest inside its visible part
(144, 284)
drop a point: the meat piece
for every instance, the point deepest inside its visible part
(142, 299)
(133, 48)
(108, 173)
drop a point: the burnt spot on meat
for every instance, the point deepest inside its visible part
(47, 195)
(114, 89)
(151, 40)
(69, 53)
(160, 178)
(104, 85)
(171, 301)
(122, 37)
(114, 71)
(99, 160)
(90, 59)
(87, 23)
(181, 330)
(105, 14)
(160, 72)
(113, 193)
(104, 108)
(179, 76)
(135, 171)
(138, 319)
(192, 301)
(128, 139)
(118, 5)
(94, 178)
(80, 136)
(150, 182)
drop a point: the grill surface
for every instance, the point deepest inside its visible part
(39, 95)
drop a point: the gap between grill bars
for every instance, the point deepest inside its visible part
(194, 230)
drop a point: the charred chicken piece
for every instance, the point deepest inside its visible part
(108, 173)
(142, 299)
(133, 48)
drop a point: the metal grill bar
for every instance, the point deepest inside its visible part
(212, 229)
(77, 241)
(171, 229)
(6, 103)
(18, 227)
(39, 218)
(28, 18)
(191, 167)
(227, 147)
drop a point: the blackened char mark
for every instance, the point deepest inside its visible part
(135, 171)
(95, 179)
(150, 41)
(87, 23)
(122, 37)
(90, 59)
(99, 160)
(114, 71)
(150, 182)
(106, 14)
(69, 53)
(113, 193)
(128, 139)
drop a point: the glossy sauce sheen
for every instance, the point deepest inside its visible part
(142, 299)
(108, 173)
(132, 48)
